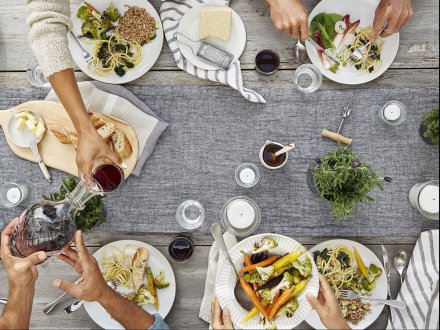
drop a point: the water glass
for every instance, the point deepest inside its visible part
(12, 194)
(190, 214)
(307, 78)
(36, 77)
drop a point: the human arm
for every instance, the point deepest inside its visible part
(290, 16)
(94, 288)
(396, 12)
(327, 307)
(49, 22)
(22, 274)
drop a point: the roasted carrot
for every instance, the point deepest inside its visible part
(287, 296)
(91, 8)
(248, 263)
(253, 297)
(269, 261)
(254, 312)
(275, 298)
(361, 264)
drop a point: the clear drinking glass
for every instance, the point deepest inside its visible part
(190, 214)
(36, 78)
(425, 198)
(307, 78)
(12, 194)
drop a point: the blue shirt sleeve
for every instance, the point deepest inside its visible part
(159, 323)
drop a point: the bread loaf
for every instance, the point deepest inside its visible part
(60, 132)
(122, 144)
(139, 265)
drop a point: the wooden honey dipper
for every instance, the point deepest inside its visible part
(336, 136)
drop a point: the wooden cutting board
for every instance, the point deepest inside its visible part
(53, 152)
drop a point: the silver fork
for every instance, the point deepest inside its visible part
(86, 54)
(359, 52)
(351, 295)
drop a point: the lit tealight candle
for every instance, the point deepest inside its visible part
(392, 112)
(429, 199)
(13, 195)
(247, 176)
(240, 214)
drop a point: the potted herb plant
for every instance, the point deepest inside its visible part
(342, 179)
(92, 215)
(429, 128)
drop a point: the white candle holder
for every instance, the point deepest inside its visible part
(393, 113)
(12, 194)
(425, 198)
(247, 175)
(241, 216)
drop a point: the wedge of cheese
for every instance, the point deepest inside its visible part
(215, 22)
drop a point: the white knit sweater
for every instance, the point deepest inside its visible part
(49, 22)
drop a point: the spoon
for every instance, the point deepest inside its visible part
(400, 262)
(300, 52)
(240, 295)
(287, 148)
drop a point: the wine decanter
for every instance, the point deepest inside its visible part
(50, 226)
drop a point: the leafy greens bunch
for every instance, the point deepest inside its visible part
(92, 214)
(431, 121)
(345, 181)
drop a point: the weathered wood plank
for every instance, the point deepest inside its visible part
(282, 79)
(418, 49)
(190, 282)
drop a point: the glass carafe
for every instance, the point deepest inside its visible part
(50, 226)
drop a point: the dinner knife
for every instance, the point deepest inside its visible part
(73, 307)
(387, 266)
(318, 47)
(40, 162)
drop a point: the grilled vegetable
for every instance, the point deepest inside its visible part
(288, 259)
(285, 284)
(143, 296)
(252, 295)
(271, 283)
(268, 243)
(264, 263)
(374, 273)
(361, 264)
(304, 267)
(265, 272)
(160, 281)
(152, 287)
(289, 309)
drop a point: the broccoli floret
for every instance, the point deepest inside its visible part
(112, 13)
(265, 295)
(374, 273)
(84, 13)
(367, 285)
(91, 26)
(296, 276)
(160, 281)
(253, 277)
(267, 244)
(143, 296)
(265, 272)
(357, 274)
(289, 309)
(105, 22)
(271, 326)
(304, 267)
(286, 283)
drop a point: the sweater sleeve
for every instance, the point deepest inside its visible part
(49, 22)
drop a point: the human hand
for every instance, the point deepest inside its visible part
(90, 147)
(92, 286)
(220, 320)
(291, 17)
(327, 307)
(396, 12)
(21, 272)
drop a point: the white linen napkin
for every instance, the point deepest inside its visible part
(215, 260)
(120, 102)
(420, 290)
(171, 12)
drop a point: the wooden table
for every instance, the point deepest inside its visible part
(416, 65)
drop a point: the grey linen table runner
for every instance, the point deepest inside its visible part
(120, 102)
(171, 12)
(214, 129)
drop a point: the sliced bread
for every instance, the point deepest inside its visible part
(107, 130)
(96, 120)
(60, 132)
(122, 144)
(139, 265)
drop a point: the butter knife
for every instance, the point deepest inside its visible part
(318, 47)
(73, 307)
(37, 156)
(387, 266)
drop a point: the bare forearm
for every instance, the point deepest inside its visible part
(66, 87)
(17, 312)
(125, 311)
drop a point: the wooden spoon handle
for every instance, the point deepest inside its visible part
(287, 148)
(336, 137)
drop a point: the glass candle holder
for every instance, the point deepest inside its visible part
(307, 78)
(247, 175)
(241, 216)
(36, 78)
(425, 198)
(393, 113)
(190, 214)
(12, 194)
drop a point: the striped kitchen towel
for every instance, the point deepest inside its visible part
(421, 287)
(171, 12)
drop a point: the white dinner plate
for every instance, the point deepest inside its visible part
(151, 51)
(368, 257)
(365, 11)
(226, 280)
(156, 262)
(189, 26)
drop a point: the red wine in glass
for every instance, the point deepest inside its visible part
(267, 62)
(109, 176)
(181, 249)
